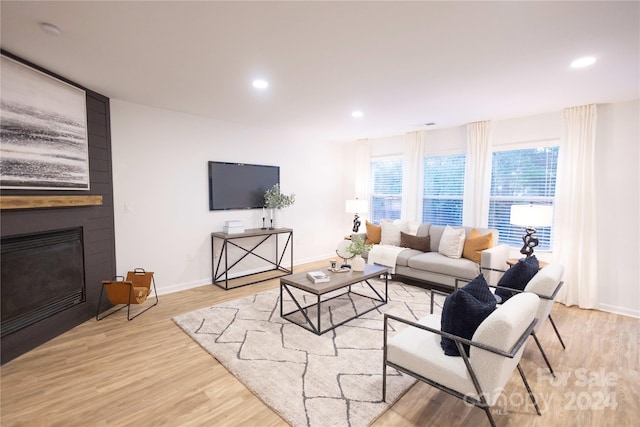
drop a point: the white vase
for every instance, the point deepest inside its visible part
(357, 264)
(275, 218)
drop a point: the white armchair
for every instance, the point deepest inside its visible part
(546, 284)
(496, 349)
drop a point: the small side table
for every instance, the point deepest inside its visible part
(513, 261)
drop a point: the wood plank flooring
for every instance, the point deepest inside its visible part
(147, 372)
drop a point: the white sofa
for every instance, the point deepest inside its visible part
(436, 269)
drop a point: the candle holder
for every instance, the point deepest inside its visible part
(263, 226)
(271, 227)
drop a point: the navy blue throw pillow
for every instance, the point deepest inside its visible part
(517, 276)
(463, 311)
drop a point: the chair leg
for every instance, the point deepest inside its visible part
(557, 333)
(526, 384)
(384, 382)
(384, 360)
(543, 354)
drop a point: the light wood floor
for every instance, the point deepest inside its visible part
(147, 372)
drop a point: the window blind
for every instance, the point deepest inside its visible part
(386, 200)
(443, 189)
(522, 177)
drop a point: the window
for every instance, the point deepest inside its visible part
(521, 177)
(443, 189)
(386, 199)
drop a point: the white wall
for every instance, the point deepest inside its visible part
(618, 207)
(160, 175)
(617, 193)
(160, 172)
(618, 187)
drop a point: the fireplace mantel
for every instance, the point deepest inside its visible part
(38, 202)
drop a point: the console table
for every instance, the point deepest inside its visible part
(247, 243)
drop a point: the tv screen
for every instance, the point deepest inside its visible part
(240, 185)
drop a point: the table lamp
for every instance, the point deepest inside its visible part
(356, 206)
(531, 216)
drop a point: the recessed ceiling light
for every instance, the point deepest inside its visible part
(260, 84)
(50, 29)
(583, 62)
(357, 114)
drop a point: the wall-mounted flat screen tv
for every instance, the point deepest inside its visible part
(240, 185)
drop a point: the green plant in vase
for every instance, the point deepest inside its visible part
(357, 248)
(274, 200)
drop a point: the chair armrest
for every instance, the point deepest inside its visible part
(555, 291)
(518, 291)
(547, 297)
(493, 261)
(459, 340)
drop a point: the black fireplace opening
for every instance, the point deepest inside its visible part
(42, 274)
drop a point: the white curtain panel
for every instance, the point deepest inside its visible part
(413, 177)
(477, 175)
(361, 166)
(574, 241)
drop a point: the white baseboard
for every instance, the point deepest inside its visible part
(207, 281)
(183, 286)
(624, 311)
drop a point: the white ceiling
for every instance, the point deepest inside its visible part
(402, 63)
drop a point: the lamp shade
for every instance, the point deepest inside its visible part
(532, 215)
(356, 206)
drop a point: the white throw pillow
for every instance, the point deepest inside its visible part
(451, 242)
(413, 227)
(391, 232)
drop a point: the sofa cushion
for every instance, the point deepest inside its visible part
(464, 310)
(421, 352)
(412, 227)
(391, 232)
(435, 231)
(517, 277)
(423, 229)
(475, 244)
(422, 243)
(374, 233)
(452, 242)
(438, 263)
(404, 257)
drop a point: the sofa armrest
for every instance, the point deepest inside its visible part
(493, 262)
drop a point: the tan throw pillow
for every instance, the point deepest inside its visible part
(374, 233)
(451, 242)
(422, 243)
(475, 244)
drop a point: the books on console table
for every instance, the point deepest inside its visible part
(233, 227)
(233, 230)
(317, 277)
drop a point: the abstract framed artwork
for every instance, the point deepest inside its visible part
(43, 131)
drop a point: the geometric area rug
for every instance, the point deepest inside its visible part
(334, 379)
